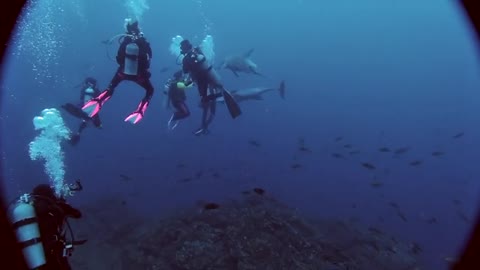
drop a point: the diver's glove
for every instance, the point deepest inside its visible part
(74, 187)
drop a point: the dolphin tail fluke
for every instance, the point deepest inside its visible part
(247, 54)
(232, 105)
(281, 89)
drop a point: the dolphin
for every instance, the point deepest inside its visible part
(240, 63)
(254, 93)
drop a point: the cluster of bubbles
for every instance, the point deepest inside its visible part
(47, 146)
(136, 8)
(207, 23)
(41, 35)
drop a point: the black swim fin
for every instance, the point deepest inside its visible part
(74, 139)
(232, 105)
(75, 111)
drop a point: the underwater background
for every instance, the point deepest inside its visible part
(391, 84)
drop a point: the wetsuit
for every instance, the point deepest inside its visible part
(177, 97)
(86, 94)
(195, 64)
(133, 58)
(143, 76)
(52, 214)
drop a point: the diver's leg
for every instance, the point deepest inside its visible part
(82, 126)
(96, 121)
(202, 90)
(138, 114)
(93, 106)
(203, 127)
(212, 109)
(181, 111)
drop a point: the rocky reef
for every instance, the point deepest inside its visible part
(257, 232)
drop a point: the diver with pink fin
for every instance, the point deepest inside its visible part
(133, 58)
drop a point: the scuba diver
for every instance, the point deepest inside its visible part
(39, 219)
(88, 91)
(175, 91)
(133, 58)
(204, 75)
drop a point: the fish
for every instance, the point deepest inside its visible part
(181, 165)
(296, 166)
(384, 149)
(337, 155)
(402, 216)
(458, 135)
(185, 180)
(464, 217)
(393, 204)
(259, 191)
(254, 143)
(301, 141)
(240, 63)
(304, 149)
(348, 146)
(339, 138)
(416, 163)
(254, 93)
(199, 174)
(376, 183)
(211, 206)
(125, 178)
(354, 152)
(438, 153)
(401, 150)
(368, 166)
(415, 248)
(431, 220)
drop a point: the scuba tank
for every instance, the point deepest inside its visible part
(131, 59)
(205, 66)
(24, 221)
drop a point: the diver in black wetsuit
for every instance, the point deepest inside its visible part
(133, 58)
(175, 91)
(195, 63)
(39, 219)
(88, 91)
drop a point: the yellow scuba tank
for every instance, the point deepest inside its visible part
(24, 221)
(131, 59)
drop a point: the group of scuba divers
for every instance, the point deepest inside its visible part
(133, 57)
(40, 218)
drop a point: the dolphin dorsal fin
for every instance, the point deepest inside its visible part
(247, 54)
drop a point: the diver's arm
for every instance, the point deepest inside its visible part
(121, 52)
(70, 211)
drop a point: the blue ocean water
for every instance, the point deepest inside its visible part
(360, 75)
